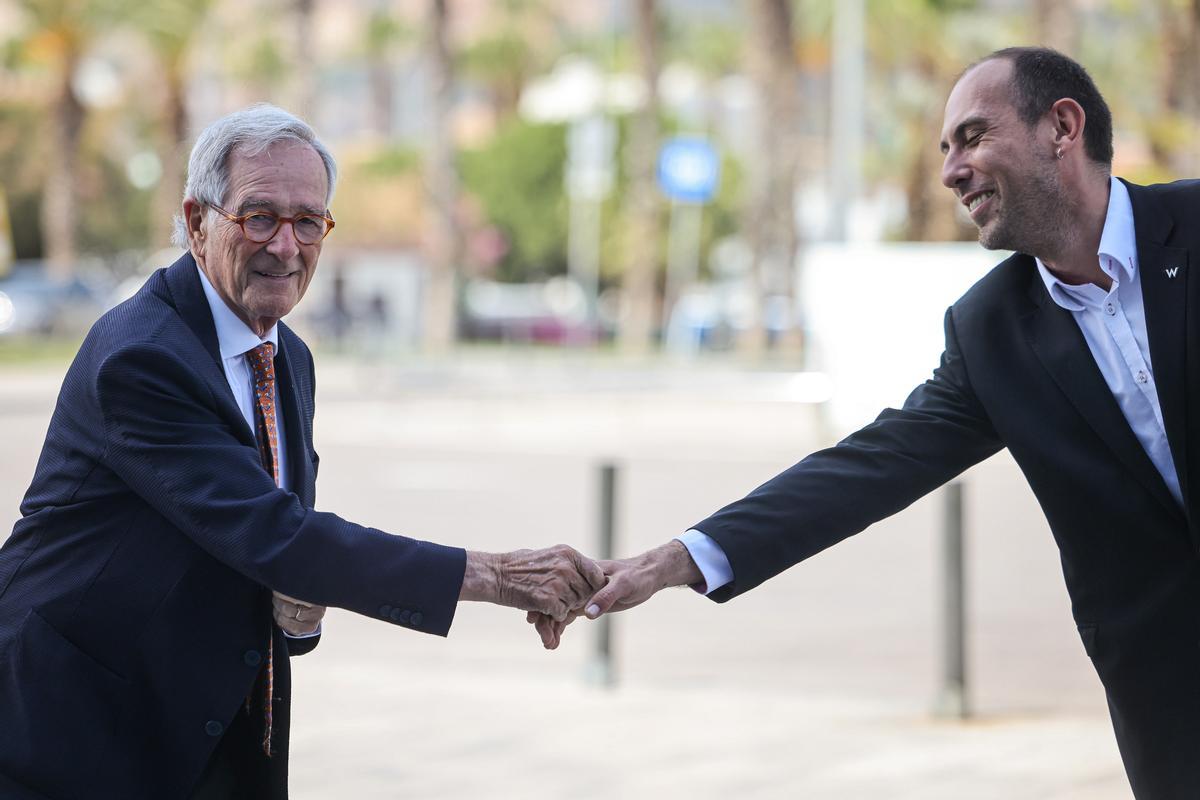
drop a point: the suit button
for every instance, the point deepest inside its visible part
(416, 619)
(396, 615)
(405, 617)
(252, 658)
(385, 611)
(213, 728)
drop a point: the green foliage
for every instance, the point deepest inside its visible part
(506, 53)
(518, 178)
(383, 31)
(392, 161)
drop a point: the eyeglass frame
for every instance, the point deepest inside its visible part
(240, 220)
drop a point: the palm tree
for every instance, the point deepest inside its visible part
(643, 217)
(384, 31)
(445, 235)
(170, 27)
(61, 32)
(1056, 24)
(770, 211)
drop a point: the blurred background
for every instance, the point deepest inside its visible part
(694, 239)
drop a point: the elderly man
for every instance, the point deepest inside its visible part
(142, 652)
(1081, 355)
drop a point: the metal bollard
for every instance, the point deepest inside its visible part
(952, 697)
(600, 671)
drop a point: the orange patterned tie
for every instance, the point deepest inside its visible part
(262, 364)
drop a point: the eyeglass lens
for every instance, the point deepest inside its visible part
(307, 229)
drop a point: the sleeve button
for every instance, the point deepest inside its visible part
(213, 728)
(385, 611)
(416, 619)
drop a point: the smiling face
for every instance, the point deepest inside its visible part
(261, 282)
(1004, 171)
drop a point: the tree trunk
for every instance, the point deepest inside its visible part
(172, 153)
(643, 223)
(304, 74)
(1056, 24)
(445, 238)
(60, 204)
(1174, 127)
(770, 209)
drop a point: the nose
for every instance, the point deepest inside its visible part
(955, 170)
(283, 244)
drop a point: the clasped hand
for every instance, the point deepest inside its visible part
(558, 585)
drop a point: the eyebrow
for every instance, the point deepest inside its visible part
(257, 203)
(960, 130)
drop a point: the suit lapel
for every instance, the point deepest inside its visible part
(302, 478)
(1164, 275)
(187, 296)
(1059, 344)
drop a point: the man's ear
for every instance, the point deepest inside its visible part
(193, 220)
(1069, 119)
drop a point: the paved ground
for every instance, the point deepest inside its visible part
(817, 685)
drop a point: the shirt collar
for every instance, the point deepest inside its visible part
(234, 337)
(1118, 245)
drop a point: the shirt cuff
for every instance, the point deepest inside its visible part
(710, 558)
(317, 632)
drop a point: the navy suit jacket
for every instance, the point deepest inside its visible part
(1017, 373)
(135, 591)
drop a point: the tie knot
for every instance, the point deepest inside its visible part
(262, 360)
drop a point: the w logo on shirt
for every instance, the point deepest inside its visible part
(1171, 271)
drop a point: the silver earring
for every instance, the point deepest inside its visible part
(1059, 154)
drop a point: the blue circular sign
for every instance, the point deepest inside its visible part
(688, 169)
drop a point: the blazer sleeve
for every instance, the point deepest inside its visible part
(166, 440)
(940, 431)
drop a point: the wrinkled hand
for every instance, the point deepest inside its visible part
(631, 582)
(552, 581)
(296, 617)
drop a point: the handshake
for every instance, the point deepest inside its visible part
(559, 584)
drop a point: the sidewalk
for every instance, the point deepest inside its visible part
(816, 685)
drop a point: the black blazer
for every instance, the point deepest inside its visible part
(135, 592)
(1017, 373)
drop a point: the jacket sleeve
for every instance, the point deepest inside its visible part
(166, 440)
(873, 473)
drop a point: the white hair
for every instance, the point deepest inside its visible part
(251, 131)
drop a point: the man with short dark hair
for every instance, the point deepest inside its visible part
(1081, 355)
(149, 593)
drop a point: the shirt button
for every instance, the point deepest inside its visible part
(1110, 309)
(1142, 377)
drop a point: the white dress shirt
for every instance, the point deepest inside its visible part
(234, 338)
(1113, 323)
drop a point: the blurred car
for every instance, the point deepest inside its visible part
(554, 312)
(33, 303)
(146, 267)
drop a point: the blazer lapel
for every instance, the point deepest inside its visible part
(1059, 344)
(187, 296)
(301, 469)
(1164, 275)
